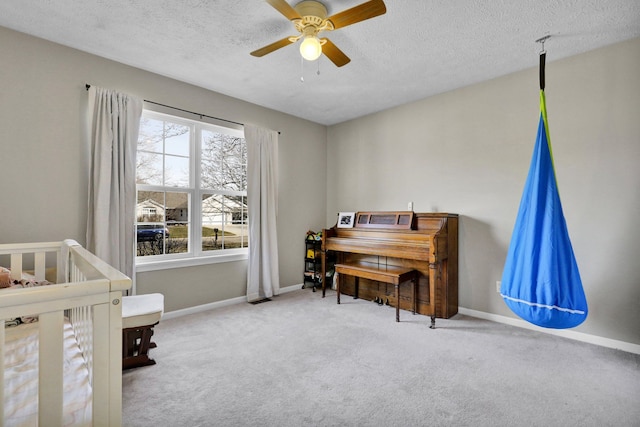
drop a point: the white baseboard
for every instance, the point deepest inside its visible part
(578, 336)
(218, 304)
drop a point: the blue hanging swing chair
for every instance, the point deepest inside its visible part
(541, 282)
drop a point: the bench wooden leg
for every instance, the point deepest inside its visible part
(397, 302)
(136, 343)
(356, 287)
(414, 282)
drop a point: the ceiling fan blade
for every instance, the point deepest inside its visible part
(367, 10)
(334, 54)
(285, 8)
(271, 47)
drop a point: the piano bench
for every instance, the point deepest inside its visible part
(392, 274)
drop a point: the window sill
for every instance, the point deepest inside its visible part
(142, 266)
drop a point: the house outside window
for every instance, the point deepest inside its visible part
(191, 181)
(147, 210)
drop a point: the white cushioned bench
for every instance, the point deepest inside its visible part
(140, 313)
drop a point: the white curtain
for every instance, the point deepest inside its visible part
(262, 197)
(114, 122)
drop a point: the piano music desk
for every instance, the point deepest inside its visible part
(382, 273)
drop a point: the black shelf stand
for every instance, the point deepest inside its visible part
(312, 264)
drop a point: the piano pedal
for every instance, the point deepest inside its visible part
(380, 302)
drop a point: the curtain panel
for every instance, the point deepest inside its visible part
(263, 278)
(114, 122)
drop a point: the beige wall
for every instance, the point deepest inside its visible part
(44, 155)
(468, 152)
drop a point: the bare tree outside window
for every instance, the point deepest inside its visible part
(224, 162)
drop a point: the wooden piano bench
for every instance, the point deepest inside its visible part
(382, 273)
(140, 313)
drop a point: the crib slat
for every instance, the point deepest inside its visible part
(62, 264)
(50, 365)
(16, 266)
(39, 267)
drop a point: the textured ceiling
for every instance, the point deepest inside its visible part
(417, 49)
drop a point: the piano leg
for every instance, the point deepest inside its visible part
(433, 322)
(338, 287)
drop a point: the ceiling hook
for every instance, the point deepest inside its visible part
(541, 40)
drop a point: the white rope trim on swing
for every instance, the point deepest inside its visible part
(550, 307)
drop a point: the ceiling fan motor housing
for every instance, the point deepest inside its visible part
(314, 15)
(311, 8)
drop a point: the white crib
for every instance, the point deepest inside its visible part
(84, 306)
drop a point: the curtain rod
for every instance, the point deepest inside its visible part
(187, 111)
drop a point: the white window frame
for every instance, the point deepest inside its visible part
(195, 256)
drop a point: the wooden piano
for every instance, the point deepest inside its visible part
(384, 249)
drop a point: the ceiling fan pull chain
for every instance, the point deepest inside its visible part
(301, 70)
(318, 72)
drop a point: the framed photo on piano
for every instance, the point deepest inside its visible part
(346, 219)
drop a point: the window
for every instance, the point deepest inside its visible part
(191, 181)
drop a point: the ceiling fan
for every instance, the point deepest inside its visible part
(310, 18)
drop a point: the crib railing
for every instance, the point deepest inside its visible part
(89, 292)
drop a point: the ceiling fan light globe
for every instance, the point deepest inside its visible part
(310, 48)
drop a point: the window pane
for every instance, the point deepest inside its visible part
(150, 207)
(177, 222)
(243, 187)
(150, 135)
(212, 222)
(162, 223)
(163, 153)
(177, 207)
(149, 169)
(224, 222)
(240, 221)
(176, 139)
(151, 231)
(224, 162)
(232, 151)
(176, 171)
(211, 175)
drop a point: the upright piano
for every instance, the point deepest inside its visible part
(422, 246)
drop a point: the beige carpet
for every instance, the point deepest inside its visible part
(301, 360)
